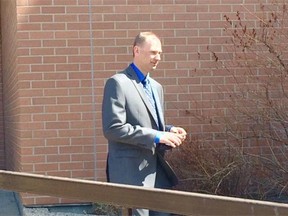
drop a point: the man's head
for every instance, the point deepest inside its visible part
(146, 51)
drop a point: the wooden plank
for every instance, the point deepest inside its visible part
(178, 202)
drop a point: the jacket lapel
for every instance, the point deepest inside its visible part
(139, 87)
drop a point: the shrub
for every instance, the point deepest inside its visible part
(252, 160)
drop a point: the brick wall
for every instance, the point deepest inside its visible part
(68, 48)
(57, 119)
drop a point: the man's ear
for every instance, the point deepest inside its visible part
(136, 50)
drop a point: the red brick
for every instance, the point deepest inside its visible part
(43, 84)
(77, 26)
(52, 26)
(77, 10)
(44, 117)
(42, 51)
(29, 60)
(55, 76)
(33, 159)
(44, 167)
(40, 18)
(65, 18)
(39, 2)
(56, 109)
(53, 10)
(28, 10)
(66, 2)
(45, 151)
(58, 142)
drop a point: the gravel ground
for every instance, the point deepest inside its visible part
(46, 212)
(94, 210)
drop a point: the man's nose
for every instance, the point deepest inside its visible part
(158, 57)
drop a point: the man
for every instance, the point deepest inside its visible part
(133, 122)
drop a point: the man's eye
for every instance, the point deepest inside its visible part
(156, 53)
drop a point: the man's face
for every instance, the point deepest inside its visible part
(147, 56)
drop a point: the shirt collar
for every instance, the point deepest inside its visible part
(139, 74)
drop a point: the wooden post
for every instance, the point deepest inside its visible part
(126, 211)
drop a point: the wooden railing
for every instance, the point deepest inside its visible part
(177, 202)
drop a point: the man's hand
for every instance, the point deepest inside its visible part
(180, 131)
(173, 138)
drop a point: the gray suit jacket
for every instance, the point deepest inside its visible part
(130, 129)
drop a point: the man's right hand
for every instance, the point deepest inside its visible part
(171, 139)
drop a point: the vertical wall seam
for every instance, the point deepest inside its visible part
(93, 91)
